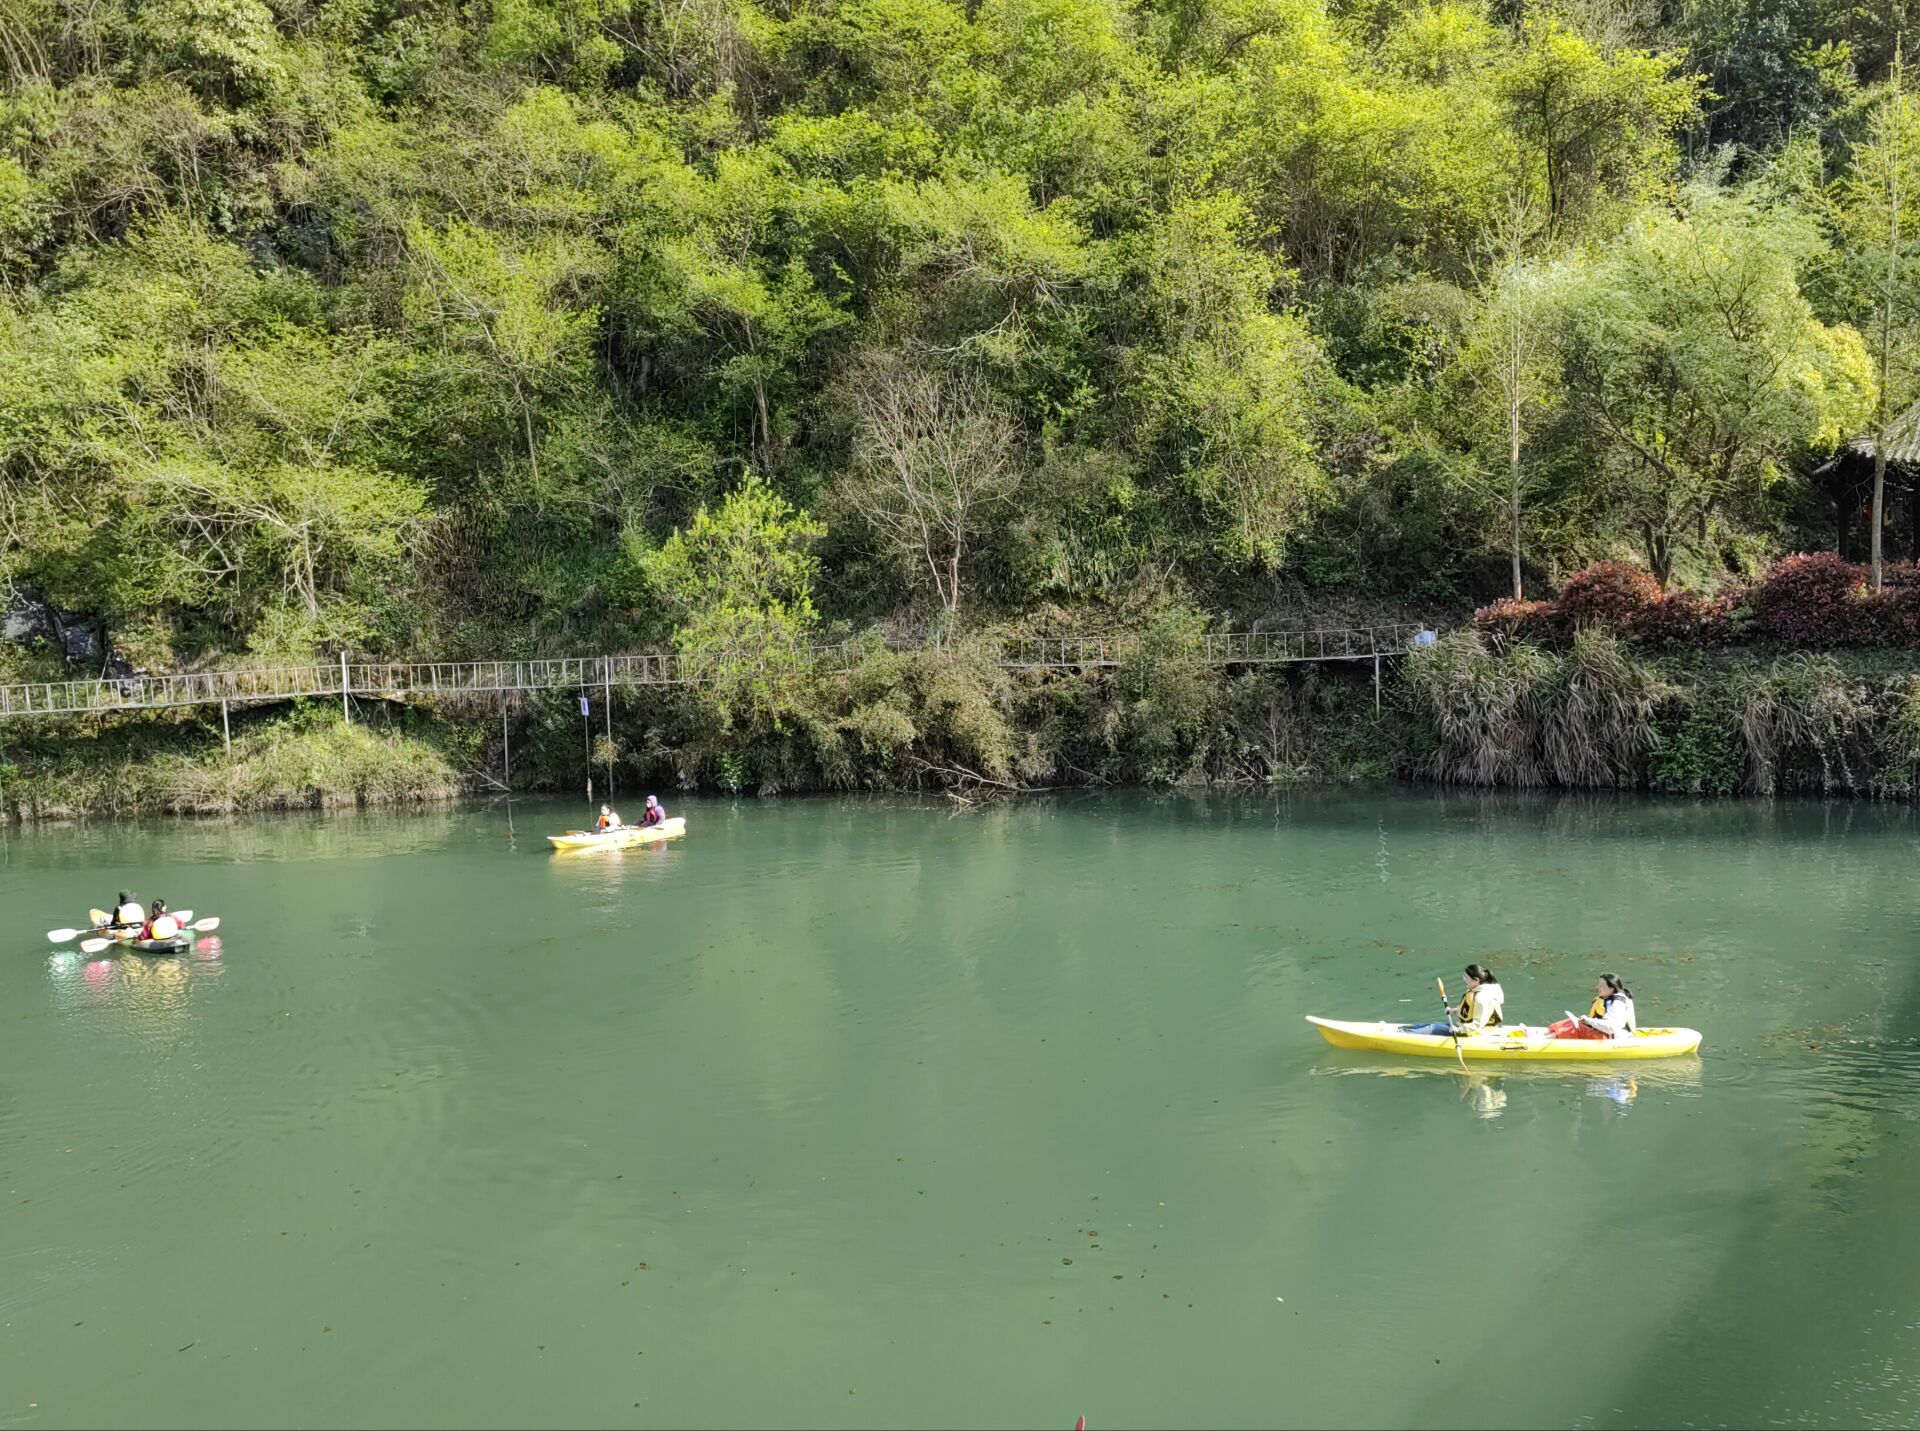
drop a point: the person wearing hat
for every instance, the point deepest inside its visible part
(127, 913)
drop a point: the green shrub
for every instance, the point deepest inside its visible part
(1693, 753)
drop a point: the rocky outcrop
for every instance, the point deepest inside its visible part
(82, 639)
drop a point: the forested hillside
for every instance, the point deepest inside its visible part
(403, 325)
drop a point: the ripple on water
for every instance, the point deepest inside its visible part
(37, 1274)
(1867, 1076)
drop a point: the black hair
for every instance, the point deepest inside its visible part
(125, 898)
(159, 906)
(1612, 981)
(1482, 973)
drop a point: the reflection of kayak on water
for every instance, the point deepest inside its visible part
(625, 835)
(1507, 1044)
(1484, 1087)
(1675, 1074)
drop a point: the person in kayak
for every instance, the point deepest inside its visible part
(653, 814)
(609, 819)
(1480, 1007)
(160, 924)
(126, 912)
(1610, 1017)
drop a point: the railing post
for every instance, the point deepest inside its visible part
(346, 714)
(1376, 684)
(226, 731)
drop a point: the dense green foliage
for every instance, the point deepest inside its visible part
(410, 326)
(1602, 715)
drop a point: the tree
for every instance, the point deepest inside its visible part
(500, 313)
(1511, 352)
(1698, 367)
(1874, 209)
(1594, 127)
(181, 435)
(935, 457)
(739, 584)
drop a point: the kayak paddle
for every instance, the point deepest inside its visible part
(1441, 985)
(205, 926)
(99, 917)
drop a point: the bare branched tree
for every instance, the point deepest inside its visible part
(935, 453)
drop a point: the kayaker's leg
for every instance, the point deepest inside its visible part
(1567, 1028)
(1436, 1027)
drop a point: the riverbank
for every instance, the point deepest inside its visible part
(1478, 709)
(1601, 714)
(931, 720)
(282, 760)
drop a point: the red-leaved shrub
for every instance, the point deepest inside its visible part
(1810, 601)
(1888, 618)
(1517, 620)
(1608, 593)
(1684, 618)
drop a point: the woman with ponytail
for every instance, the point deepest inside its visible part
(1610, 1017)
(1480, 1007)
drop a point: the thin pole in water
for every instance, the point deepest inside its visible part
(606, 673)
(586, 740)
(506, 750)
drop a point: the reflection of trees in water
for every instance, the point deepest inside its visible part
(1810, 1268)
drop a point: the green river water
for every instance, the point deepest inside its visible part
(862, 1112)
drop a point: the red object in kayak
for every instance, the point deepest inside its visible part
(1567, 1028)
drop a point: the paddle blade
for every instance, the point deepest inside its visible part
(1080, 1425)
(93, 946)
(207, 925)
(61, 936)
(185, 916)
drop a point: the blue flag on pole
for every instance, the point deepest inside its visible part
(583, 705)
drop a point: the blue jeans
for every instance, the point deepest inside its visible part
(1438, 1026)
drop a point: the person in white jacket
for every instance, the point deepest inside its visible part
(1480, 1008)
(1610, 1017)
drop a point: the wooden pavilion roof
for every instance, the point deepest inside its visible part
(1903, 439)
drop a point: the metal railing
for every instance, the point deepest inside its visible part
(1237, 648)
(411, 680)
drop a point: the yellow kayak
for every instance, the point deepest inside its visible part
(624, 835)
(1509, 1044)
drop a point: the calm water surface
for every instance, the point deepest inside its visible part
(871, 1113)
